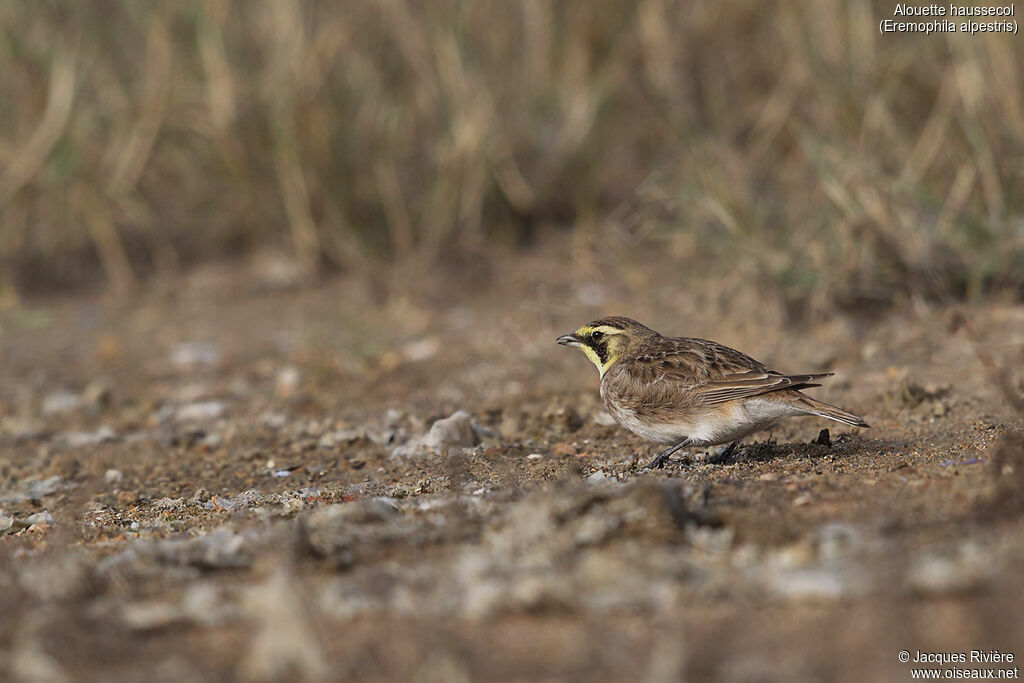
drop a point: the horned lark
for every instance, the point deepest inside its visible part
(691, 392)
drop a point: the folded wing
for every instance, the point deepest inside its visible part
(747, 384)
(683, 373)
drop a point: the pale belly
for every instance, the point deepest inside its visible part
(722, 424)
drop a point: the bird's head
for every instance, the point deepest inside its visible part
(606, 340)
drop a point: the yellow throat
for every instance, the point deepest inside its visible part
(603, 344)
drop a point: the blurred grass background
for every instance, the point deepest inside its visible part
(786, 142)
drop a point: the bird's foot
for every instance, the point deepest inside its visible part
(662, 458)
(658, 462)
(724, 454)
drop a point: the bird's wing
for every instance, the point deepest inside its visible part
(753, 383)
(701, 372)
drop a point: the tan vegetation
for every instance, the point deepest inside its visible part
(839, 165)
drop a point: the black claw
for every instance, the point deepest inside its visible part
(660, 460)
(725, 454)
(657, 463)
(730, 449)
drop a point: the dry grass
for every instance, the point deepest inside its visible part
(842, 166)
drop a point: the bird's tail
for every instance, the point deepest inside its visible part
(813, 406)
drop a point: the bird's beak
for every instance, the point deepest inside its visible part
(569, 340)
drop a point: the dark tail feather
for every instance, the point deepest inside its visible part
(820, 408)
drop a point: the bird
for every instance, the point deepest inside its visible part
(683, 392)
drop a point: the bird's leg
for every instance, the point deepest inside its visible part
(726, 452)
(660, 459)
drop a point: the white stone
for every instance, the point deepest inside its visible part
(455, 431)
(201, 410)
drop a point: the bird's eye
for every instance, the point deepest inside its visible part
(597, 335)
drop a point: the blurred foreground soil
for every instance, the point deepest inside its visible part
(230, 480)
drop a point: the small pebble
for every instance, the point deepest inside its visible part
(201, 410)
(212, 441)
(455, 431)
(101, 435)
(112, 476)
(60, 402)
(287, 382)
(274, 420)
(43, 517)
(421, 350)
(393, 417)
(189, 354)
(810, 584)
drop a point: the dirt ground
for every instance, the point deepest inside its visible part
(230, 477)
